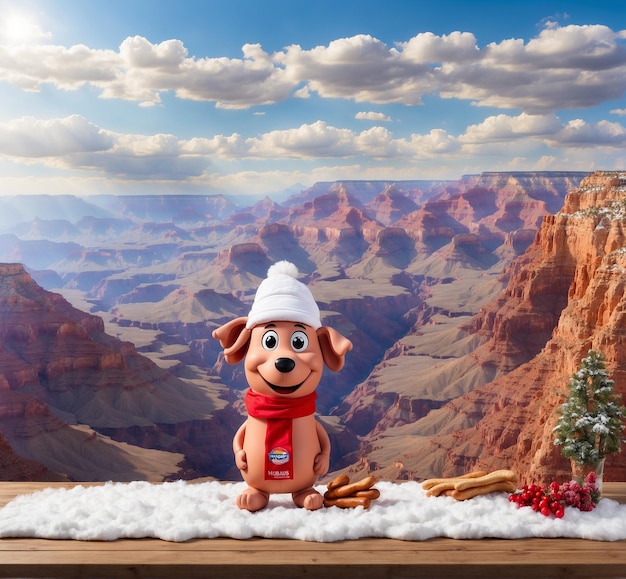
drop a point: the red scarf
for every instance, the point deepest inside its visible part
(279, 413)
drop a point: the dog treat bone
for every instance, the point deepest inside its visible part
(492, 477)
(431, 482)
(341, 480)
(472, 484)
(346, 495)
(371, 494)
(349, 489)
(348, 502)
(441, 487)
(505, 486)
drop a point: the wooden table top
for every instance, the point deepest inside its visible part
(364, 558)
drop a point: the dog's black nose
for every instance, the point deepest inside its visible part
(284, 365)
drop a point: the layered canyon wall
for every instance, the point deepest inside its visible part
(449, 370)
(566, 295)
(72, 397)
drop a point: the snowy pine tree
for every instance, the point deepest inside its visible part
(591, 420)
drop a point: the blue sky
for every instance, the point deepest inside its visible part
(255, 96)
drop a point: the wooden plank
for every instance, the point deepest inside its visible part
(262, 558)
(527, 559)
(450, 556)
(375, 551)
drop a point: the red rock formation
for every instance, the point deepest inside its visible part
(491, 206)
(568, 292)
(336, 217)
(59, 368)
(16, 468)
(390, 205)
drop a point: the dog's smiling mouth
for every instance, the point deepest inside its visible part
(283, 389)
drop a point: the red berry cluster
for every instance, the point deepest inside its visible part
(544, 501)
(553, 500)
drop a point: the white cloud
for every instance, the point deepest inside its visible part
(360, 68)
(547, 129)
(138, 53)
(506, 128)
(436, 143)
(28, 67)
(147, 145)
(427, 48)
(307, 141)
(507, 141)
(30, 137)
(578, 133)
(563, 67)
(372, 116)
(151, 167)
(570, 67)
(234, 83)
(302, 93)
(74, 143)
(547, 163)
(589, 46)
(159, 157)
(379, 143)
(620, 112)
(320, 140)
(140, 71)
(231, 146)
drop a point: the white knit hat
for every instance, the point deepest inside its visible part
(282, 298)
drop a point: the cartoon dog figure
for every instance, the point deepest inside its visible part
(281, 447)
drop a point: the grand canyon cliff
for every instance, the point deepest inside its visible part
(72, 397)
(456, 295)
(564, 296)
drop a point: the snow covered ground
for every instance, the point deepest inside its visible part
(181, 511)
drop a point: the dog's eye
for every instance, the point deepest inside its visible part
(270, 340)
(299, 341)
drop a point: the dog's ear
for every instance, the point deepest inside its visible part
(234, 337)
(334, 347)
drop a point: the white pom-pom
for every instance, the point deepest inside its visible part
(283, 268)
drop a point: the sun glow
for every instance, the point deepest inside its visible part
(21, 28)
